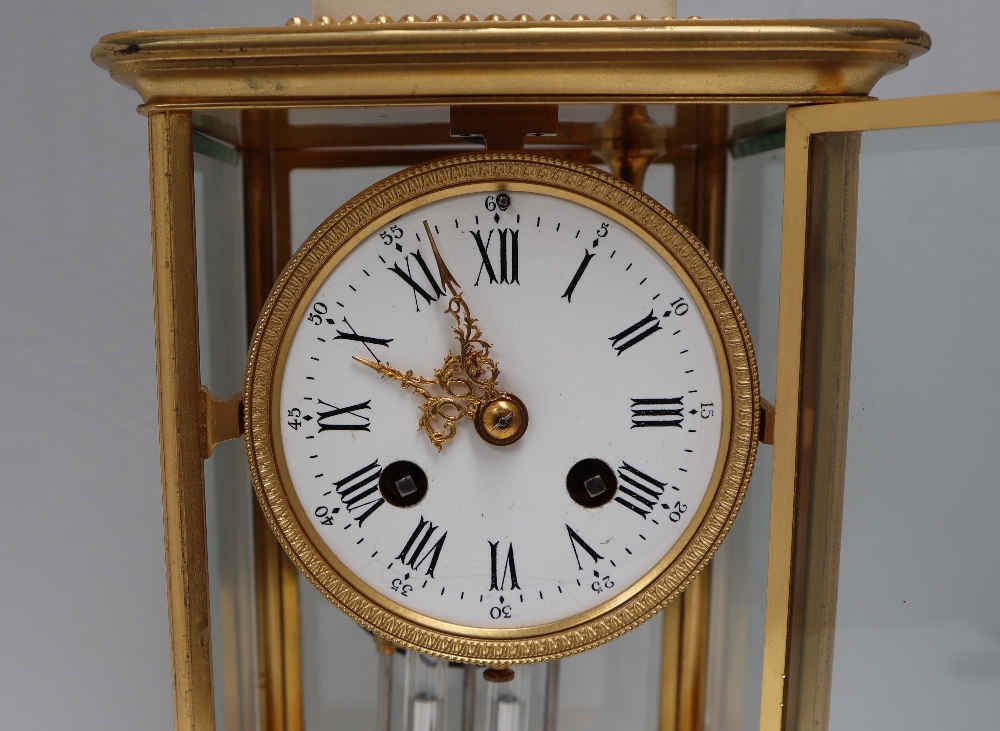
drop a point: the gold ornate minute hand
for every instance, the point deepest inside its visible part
(474, 351)
(501, 418)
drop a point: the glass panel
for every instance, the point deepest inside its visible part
(739, 569)
(340, 662)
(918, 628)
(616, 686)
(229, 495)
(316, 193)
(659, 183)
(339, 666)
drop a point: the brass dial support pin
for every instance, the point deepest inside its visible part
(502, 674)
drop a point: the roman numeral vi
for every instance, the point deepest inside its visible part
(509, 570)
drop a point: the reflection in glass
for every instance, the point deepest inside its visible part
(229, 495)
(918, 616)
(739, 569)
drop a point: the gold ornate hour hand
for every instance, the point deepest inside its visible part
(439, 413)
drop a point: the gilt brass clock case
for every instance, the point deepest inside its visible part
(376, 207)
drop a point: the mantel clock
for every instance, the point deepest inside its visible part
(501, 405)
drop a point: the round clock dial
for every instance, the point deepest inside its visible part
(499, 400)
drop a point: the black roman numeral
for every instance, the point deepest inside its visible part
(508, 256)
(568, 294)
(635, 334)
(642, 493)
(657, 412)
(416, 550)
(509, 570)
(362, 425)
(574, 541)
(357, 492)
(365, 340)
(407, 277)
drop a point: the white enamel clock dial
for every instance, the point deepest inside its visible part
(602, 336)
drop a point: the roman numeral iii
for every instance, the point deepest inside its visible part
(417, 551)
(509, 570)
(657, 412)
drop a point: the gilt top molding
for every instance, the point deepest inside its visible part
(467, 61)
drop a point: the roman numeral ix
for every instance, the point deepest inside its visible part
(362, 425)
(417, 551)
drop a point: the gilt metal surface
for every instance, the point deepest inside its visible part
(575, 61)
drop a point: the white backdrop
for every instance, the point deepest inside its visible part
(83, 634)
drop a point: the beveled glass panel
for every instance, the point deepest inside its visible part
(739, 569)
(918, 631)
(229, 495)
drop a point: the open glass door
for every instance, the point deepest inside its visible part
(884, 578)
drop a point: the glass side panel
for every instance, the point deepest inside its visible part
(739, 569)
(229, 495)
(918, 626)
